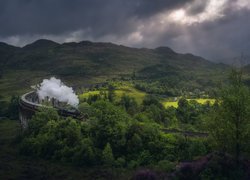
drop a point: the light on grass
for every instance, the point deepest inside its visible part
(174, 104)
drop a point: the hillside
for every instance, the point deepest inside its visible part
(87, 62)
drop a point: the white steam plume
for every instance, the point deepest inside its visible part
(54, 88)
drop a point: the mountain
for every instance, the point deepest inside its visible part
(41, 43)
(87, 58)
(87, 62)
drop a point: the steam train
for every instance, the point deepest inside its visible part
(29, 104)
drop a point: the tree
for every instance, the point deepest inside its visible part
(135, 144)
(183, 111)
(52, 137)
(111, 93)
(230, 121)
(85, 109)
(109, 124)
(151, 100)
(129, 103)
(155, 113)
(13, 110)
(188, 111)
(85, 154)
(107, 155)
(41, 118)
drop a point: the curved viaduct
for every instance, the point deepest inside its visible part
(29, 104)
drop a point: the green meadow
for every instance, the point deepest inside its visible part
(119, 92)
(139, 96)
(174, 104)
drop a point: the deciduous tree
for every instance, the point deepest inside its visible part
(230, 121)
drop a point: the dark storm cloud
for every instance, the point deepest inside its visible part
(226, 38)
(197, 8)
(145, 8)
(58, 16)
(221, 39)
(139, 23)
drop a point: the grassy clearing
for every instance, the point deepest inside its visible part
(139, 96)
(89, 93)
(132, 92)
(174, 104)
(128, 89)
(119, 92)
(168, 104)
(203, 101)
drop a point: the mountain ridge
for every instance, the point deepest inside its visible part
(91, 62)
(43, 42)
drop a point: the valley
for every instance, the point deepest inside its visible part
(142, 111)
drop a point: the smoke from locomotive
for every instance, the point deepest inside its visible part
(55, 89)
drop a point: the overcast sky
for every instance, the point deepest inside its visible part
(214, 29)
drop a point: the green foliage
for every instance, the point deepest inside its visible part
(3, 108)
(155, 113)
(135, 143)
(190, 148)
(120, 162)
(151, 100)
(197, 148)
(183, 111)
(93, 98)
(110, 124)
(107, 155)
(110, 136)
(51, 137)
(154, 110)
(192, 113)
(40, 119)
(146, 144)
(111, 93)
(129, 104)
(165, 165)
(229, 123)
(13, 109)
(86, 155)
(85, 108)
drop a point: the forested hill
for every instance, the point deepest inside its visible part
(87, 62)
(87, 58)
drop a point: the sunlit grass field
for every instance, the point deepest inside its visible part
(198, 100)
(168, 104)
(203, 101)
(119, 92)
(89, 93)
(132, 92)
(139, 96)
